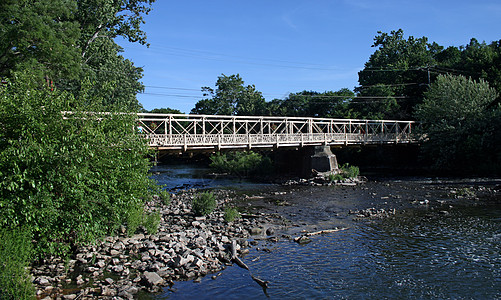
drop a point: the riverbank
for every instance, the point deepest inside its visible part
(185, 248)
(188, 248)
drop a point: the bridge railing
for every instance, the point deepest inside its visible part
(174, 131)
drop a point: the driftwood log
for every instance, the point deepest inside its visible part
(304, 237)
(234, 256)
(262, 283)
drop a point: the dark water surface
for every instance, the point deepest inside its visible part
(454, 252)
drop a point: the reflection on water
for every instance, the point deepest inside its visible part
(184, 176)
(414, 255)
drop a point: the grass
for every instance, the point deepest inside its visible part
(15, 254)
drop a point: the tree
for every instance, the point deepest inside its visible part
(40, 36)
(328, 104)
(400, 69)
(231, 97)
(63, 41)
(68, 178)
(164, 111)
(461, 128)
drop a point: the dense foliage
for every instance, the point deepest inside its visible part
(204, 203)
(231, 97)
(15, 253)
(67, 178)
(460, 124)
(241, 164)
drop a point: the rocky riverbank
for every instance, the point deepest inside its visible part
(185, 247)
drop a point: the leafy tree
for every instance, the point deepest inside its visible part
(461, 128)
(40, 36)
(398, 68)
(231, 97)
(63, 41)
(313, 104)
(68, 178)
(164, 111)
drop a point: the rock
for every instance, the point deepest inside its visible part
(270, 231)
(107, 291)
(151, 279)
(43, 281)
(256, 231)
(69, 297)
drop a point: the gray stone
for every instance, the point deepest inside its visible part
(152, 279)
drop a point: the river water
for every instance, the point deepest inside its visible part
(434, 247)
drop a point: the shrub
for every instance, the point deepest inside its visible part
(165, 196)
(15, 254)
(203, 204)
(151, 222)
(241, 164)
(230, 214)
(346, 171)
(350, 171)
(70, 178)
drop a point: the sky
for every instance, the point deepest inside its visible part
(287, 46)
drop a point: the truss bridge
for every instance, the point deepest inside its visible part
(179, 132)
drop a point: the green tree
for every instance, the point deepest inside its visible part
(69, 178)
(328, 104)
(41, 36)
(63, 41)
(398, 69)
(460, 125)
(164, 111)
(231, 97)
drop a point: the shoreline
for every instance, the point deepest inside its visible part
(188, 247)
(184, 248)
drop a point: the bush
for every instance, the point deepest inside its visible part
(151, 222)
(230, 214)
(203, 204)
(165, 196)
(346, 171)
(241, 164)
(15, 254)
(69, 178)
(350, 171)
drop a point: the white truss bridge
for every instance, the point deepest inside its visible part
(179, 132)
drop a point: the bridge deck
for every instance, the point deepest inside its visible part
(192, 132)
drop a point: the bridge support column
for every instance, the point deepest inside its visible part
(323, 160)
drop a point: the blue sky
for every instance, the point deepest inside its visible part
(286, 46)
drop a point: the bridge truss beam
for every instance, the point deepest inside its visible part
(199, 132)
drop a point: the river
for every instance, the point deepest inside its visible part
(435, 246)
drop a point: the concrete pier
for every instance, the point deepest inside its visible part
(323, 160)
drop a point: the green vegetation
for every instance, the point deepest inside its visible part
(15, 254)
(67, 178)
(401, 81)
(241, 164)
(151, 222)
(231, 214)
(345, 171)
(164, 195)
(461, 125)
(203, 204)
